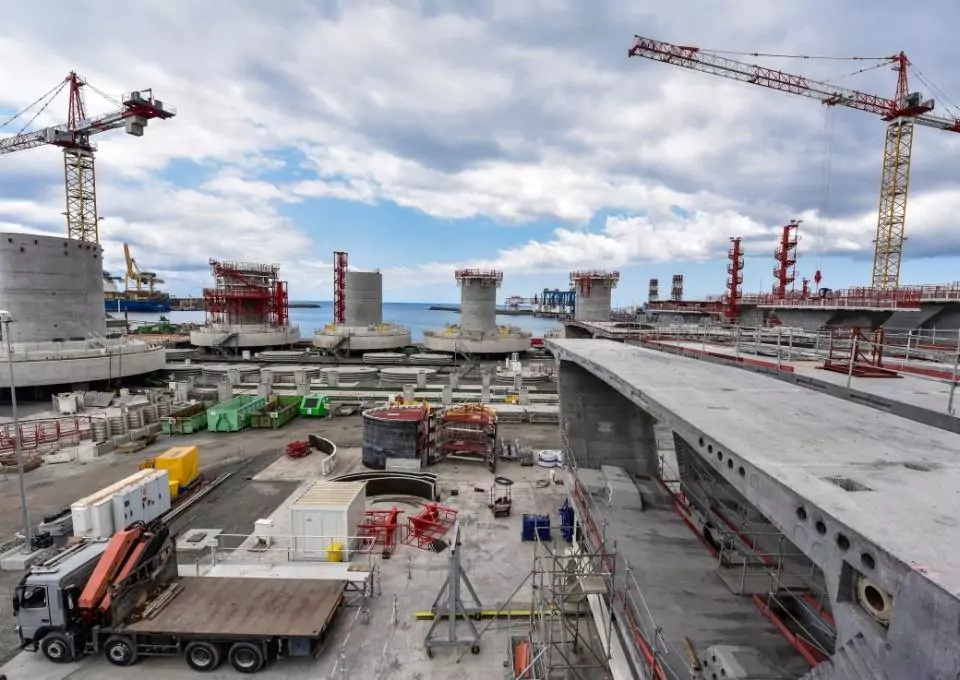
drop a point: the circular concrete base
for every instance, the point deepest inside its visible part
(80, 361)
(361, 338)
(476, 343)
(243, 337)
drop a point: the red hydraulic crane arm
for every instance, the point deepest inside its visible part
(697, 60)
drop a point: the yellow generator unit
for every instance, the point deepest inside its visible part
(182, 463)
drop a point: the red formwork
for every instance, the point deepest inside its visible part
(382, 526)
(428, 525)
(246, 293)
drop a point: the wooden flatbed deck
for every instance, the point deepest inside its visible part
(247, 606)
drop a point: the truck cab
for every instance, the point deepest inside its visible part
(45, 601)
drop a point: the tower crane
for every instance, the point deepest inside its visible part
(74, 137)
(902, 113)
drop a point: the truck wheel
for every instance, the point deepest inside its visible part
(56, 648)
(120, 650)
(202, 656)
(246, 657)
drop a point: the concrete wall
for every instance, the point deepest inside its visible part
(478, 305)
(364, 299)
(78, 364)
(594, 306)
(52, 287)
(603, 427)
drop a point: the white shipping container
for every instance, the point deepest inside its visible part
(327, 513)
(142, 501)
(96, 515)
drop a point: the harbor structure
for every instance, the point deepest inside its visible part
(358, 324)
(52, 286)
(247, 308)
(478, 332)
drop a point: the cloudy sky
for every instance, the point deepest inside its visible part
(425, 136)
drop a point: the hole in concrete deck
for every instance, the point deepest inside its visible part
(701, 441)
(847, 484)
(720, 456)
(741, 471)
(801, 513)
(866, 559)
(730, 463)
(843, 542)
(820, 527)
(920, 467)
(709, 448)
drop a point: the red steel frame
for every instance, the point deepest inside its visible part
(585, 279)
(786, 254)
(735, 269)
(339, 287)
(839, 359)
(429, 524)
(37, 432)
(247, 293)
(382, 526)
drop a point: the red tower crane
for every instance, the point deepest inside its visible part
(905, 110)
(136, 108)
(785, 272)
(339, 287)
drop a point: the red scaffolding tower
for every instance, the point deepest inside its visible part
(339, 287)
(246, 294)
(585, 279)
(786, 254)
(735, 269)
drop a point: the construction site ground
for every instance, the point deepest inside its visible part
(494, 557)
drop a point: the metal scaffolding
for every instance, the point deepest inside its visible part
(570, 586)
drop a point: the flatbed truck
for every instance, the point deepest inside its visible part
(123, 598)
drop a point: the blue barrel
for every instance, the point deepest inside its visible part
(543, 527)
(528, 528)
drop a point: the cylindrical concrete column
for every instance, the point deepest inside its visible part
(52, 287)
(478, 306)
(421, 378)
(224, 392)
(446, 395)
(409, 393)
(364, 299)
(595, 305)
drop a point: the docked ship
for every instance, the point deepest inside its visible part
(139, 293)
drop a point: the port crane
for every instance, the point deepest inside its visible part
(902, 113)
(74, 137)
(141, 281)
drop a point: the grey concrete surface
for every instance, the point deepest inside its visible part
(363, 305)
(923, 400)
(478, 304)
(862, 493)
(594, 304)
(52, 286)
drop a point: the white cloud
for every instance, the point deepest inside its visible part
(512, 111)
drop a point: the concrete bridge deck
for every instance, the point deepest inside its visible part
(864, 494)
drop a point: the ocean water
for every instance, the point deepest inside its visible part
(414, 315)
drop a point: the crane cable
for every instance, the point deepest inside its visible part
(828, 128)
(49, 96)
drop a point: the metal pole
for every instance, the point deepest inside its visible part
(703, 345)
(5, 320)
(736, 344)
(853, 358)
(778, 347)
(953, 382)
(906, 357)
(790, 347)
